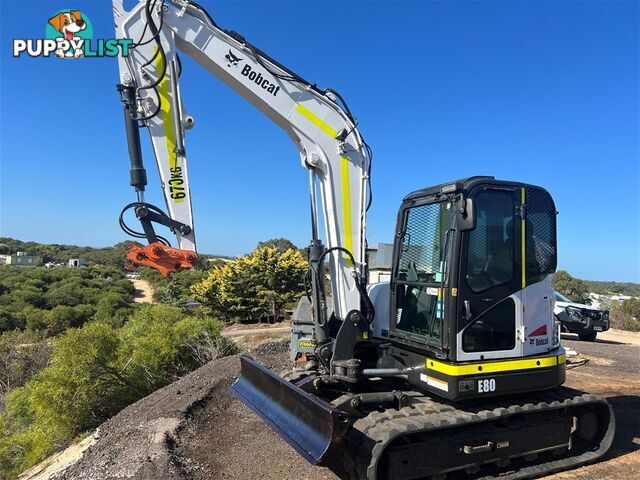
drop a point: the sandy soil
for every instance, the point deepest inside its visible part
(252, 327)
(144, 292)
(140, 442)
(622, 336)
(59, 462)
(255, 331)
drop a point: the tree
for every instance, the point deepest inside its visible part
(170, 294)
(574, 289)
(255, 286)
(282, 244)
(177, 290)
(209, 291)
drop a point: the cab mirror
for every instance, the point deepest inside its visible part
(465, 214)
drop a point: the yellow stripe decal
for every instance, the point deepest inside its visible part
(167, 121)
(346, 205)
(522, 236)
(317, 121)
(562, 359)
(493, 367)
(344, 175)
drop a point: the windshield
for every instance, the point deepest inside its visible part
(562, 298)
(425, 239)
(421, 271)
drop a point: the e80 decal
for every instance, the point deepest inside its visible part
(487, 385)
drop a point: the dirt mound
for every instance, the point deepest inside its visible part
(140, 442)
(224, 440)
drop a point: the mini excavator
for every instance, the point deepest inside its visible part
(452, 368)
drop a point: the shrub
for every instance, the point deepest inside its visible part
(255, 286)
(156, 344)
(95, 371)
(56, 299)
(22, 355)
(626, 315)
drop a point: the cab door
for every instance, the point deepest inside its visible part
(490, 276)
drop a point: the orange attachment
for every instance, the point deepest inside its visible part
(158, 256)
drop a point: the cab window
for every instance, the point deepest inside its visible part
(421, 270)
(494, 330)
(491, 246)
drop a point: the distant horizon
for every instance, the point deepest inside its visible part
(297, 246)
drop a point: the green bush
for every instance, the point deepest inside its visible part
(22, 355)
(626, 315)
(53, 300)
(158, 344)
(175, 291)
(97, 370)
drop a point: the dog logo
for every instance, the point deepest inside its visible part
(69, 34)
(69, 24)
(232, 60)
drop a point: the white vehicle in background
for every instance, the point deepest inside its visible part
(581, 319)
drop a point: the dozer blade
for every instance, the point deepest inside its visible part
(313, 427)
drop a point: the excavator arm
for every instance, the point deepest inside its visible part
(318, 121)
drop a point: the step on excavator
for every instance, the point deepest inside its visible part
(452, 368)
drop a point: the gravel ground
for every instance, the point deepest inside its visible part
(193, 429)
(138, 442)
(226, 441)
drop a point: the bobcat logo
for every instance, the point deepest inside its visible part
(232, 60)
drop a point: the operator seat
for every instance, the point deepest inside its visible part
(499, 265)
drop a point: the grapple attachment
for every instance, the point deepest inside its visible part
(160, 257)
(313, 427)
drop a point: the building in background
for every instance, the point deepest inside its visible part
(76, 263)
(21, 259)
(380, 258)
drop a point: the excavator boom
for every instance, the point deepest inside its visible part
(321, 126)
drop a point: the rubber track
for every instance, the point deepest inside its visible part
(380, 428)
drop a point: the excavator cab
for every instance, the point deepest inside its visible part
(470, 285)
(467, 316)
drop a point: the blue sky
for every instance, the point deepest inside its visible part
(542, 92)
